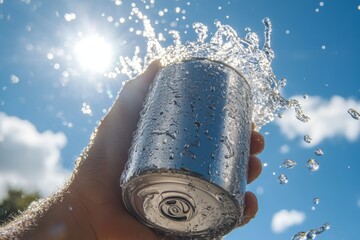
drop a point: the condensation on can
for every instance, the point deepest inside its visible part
(187, 170)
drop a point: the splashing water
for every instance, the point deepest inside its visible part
(241, 53)
(311, 234)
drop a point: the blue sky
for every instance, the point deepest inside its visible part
(48, 95)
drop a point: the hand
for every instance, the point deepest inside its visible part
(94, 193)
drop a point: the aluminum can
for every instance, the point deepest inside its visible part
(186, 174)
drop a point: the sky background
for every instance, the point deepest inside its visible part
(52, 96)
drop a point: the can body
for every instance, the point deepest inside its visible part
(187, 169)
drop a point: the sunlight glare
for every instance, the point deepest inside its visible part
(94, 53)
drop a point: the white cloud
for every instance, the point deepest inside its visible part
(284, 219)
(329, 119)
(29, 160)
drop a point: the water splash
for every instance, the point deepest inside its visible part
(241, 53)
(312, 233)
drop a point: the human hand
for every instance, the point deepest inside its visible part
(97, 180)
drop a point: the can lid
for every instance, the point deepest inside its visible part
(178, 204)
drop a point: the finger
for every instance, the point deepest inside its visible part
(257, 143)
(251, 208)
(255, 168)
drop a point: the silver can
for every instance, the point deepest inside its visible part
(187, 170)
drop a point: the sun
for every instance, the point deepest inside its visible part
(94, 53)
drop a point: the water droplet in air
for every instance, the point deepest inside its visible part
(289, 164)
(14, 79)
(324, 227)
(305, 96)
(307, 139)
(312, 165)
(201, 31)
(354, 114)
(316, 200)
(323, 47)
(312, 233)
(321, 4)
(70, 17)
(299, 236)
(86, 109)
(283, 179)
(319, 152)
(287, 31)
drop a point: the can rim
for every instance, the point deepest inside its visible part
(214, 61)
